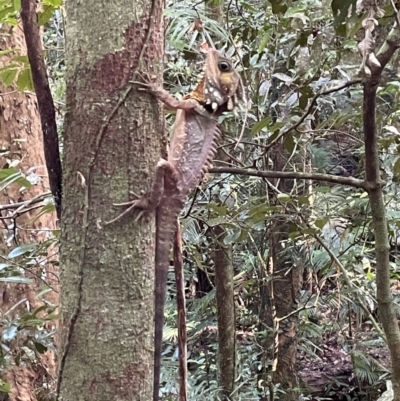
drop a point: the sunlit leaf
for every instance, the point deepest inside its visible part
(22, 250)
(9, 333)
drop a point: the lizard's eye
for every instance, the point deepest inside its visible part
(224, 66)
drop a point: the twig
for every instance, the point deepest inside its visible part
(35, 199)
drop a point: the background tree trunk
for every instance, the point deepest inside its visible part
(224, 293)
(21, 134)
(112, 144)
(278, 299)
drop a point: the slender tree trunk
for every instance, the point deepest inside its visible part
(224, 293)
(279, 293)
(112, 144)
(387, 309)
(20, 133)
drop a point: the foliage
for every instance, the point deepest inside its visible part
(290, 53)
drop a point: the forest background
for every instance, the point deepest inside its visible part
(290, 245)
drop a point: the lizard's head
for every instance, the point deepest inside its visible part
(221, 87)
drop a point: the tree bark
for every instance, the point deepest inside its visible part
(279, 292)
(44, 97)
(224, 294)
(112, 143)
(387, 310)
(279, 295)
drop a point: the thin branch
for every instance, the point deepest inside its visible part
(396, 13)
(350, 181)
(309, 109)
(44, 99)
(32, 201)
(385, 53)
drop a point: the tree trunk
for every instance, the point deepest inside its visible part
(112, 144)
(279, 292)
(21, 134)
(387, 308)
(224, 293)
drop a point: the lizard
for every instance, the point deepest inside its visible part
(192, 146)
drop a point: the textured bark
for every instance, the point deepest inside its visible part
(387, 308)
(112, 144)
(279, 296)
(224, 293)
(20, 132)
(44, 98)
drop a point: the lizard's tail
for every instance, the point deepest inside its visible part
(164, 239)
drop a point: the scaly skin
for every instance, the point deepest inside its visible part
(192, 147)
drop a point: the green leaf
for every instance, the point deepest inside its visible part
(50, 208)
(53, 3)
(289, 143)
(5, 13)
(8, 51)
(7, 172)
(9, 176)
(17, 5)
(8, 74)
(396, 170)
(341, 10)
(22, 250)
(278, 6)
(40, 347)
(258, 126)
(45, 15)
(24, 81)
(305, 94)
(218, 209)
(21, 59)
(263, 42)
(284, 197)
(321, 222)
(216, 222)
(4, 387)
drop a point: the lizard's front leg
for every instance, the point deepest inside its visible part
(170, 101)
(149, 203)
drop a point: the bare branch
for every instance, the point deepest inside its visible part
(391, 44)
(350, 181)
(32, 201)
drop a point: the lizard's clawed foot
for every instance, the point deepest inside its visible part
(134, 204)
(147, 82)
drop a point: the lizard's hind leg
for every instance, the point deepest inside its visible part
(148, 203)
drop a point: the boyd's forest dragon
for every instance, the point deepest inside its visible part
(192, 148)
